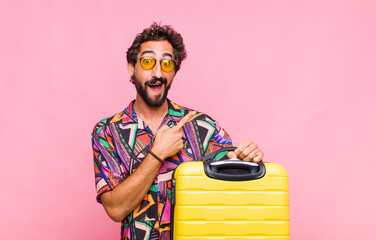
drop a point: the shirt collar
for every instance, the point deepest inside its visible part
(175, 114)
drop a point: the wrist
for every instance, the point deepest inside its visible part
(157, 155)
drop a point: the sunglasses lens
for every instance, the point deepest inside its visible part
(147, 63)
(167, 65)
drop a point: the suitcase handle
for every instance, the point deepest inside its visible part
(231, 170)
(234, 170)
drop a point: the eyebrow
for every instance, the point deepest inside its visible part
(167, 54)
(151, 51)
(147, 51)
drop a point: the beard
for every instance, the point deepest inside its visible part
(143, 92)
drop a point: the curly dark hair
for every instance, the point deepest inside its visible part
(159, 32)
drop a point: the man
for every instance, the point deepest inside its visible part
(137, 150)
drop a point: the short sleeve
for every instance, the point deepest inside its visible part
(107, 168)
(210, 135)
(221, 137)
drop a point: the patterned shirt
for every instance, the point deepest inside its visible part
(120, 144)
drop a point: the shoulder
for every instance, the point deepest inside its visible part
(124, 117)
(100, 128)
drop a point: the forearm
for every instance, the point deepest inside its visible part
(125, 197)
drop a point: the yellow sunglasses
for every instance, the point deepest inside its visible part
(148, 63)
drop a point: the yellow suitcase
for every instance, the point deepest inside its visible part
(229, 199)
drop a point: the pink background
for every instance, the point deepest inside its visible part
(298, 77)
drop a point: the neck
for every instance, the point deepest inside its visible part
(153, 116)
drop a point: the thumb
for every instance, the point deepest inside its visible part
(231, 155)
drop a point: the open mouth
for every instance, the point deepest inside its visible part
(155, 86)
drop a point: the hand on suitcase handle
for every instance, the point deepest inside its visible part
(231, 169)
(247, 151)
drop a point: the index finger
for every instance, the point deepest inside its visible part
(185, 119)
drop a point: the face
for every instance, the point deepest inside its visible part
(152, 85)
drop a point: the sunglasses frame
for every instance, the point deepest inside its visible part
(160, 63)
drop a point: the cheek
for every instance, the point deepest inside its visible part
(170, 77)
(169, 80)
(141, 74)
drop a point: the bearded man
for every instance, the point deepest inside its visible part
(137, 150)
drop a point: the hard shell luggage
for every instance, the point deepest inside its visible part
(229, 199)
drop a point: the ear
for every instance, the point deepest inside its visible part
(130, 69)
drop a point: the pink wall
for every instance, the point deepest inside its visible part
(299, 77)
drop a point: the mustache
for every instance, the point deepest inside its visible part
(155, 80)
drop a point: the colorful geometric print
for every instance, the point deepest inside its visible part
(120, 144)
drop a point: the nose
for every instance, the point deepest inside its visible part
(157, 70)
